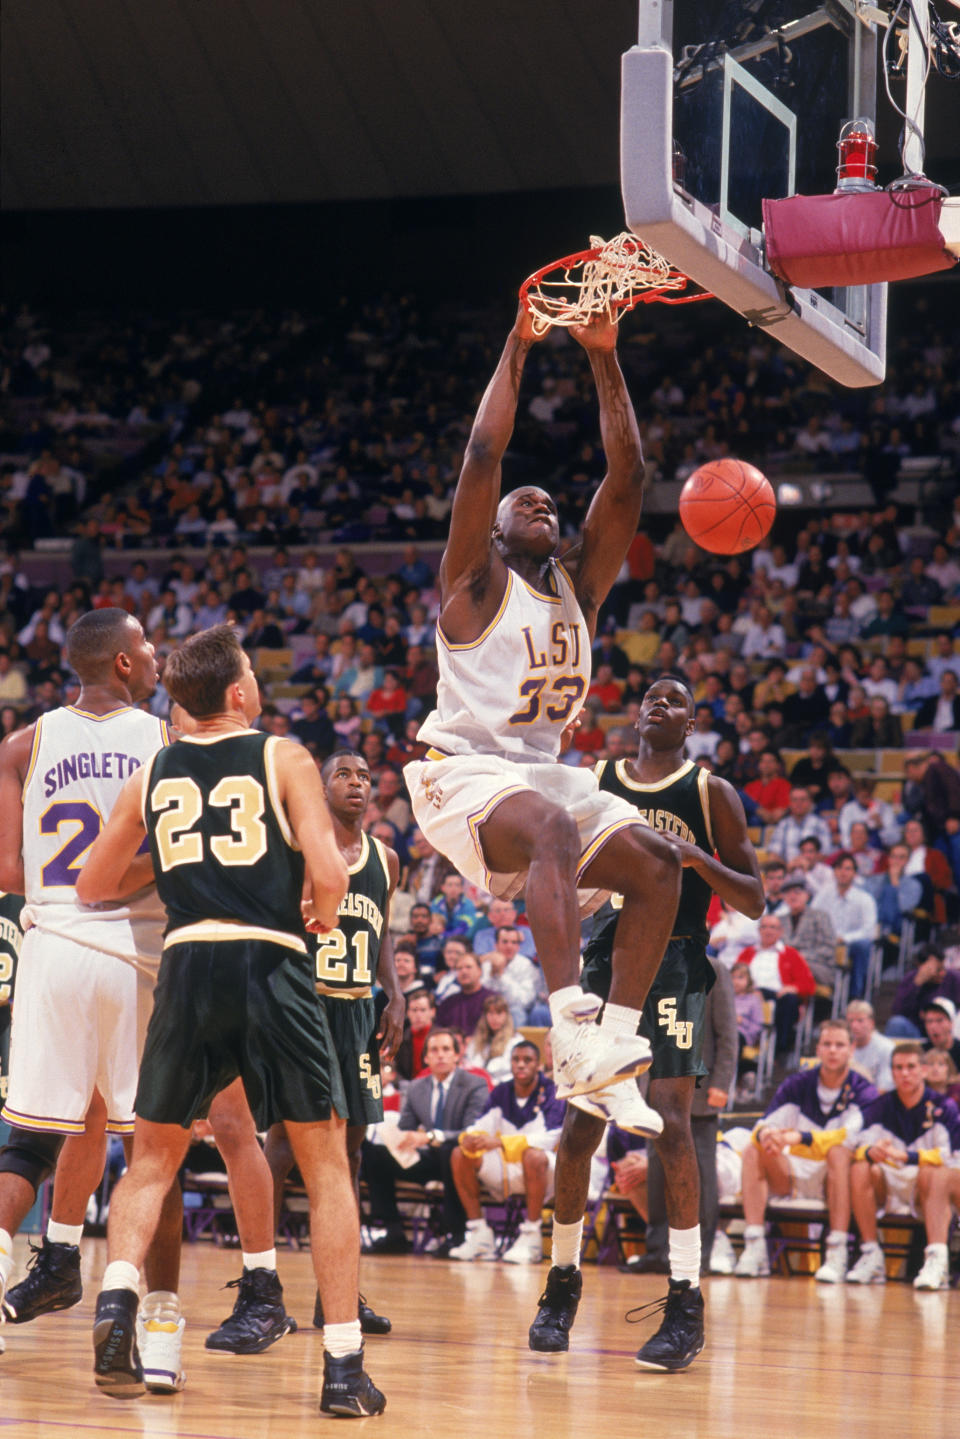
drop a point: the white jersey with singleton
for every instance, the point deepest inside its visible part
(512, 691)
(78, 765)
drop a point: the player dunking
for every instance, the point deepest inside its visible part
(349, 961)
(237, 825)
(514, 640)
(703, 814)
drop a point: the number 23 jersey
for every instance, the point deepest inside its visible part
(511, 691)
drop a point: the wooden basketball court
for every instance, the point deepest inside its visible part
(784, 1357)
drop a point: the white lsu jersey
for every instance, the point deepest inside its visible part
(78, 765)
(511, 691)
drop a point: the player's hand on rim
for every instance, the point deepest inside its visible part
(596, 333)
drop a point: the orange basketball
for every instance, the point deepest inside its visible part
(727, 506)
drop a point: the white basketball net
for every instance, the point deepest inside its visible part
(606, 280)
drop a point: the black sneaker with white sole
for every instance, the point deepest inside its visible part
(116, 1362)
(258, 1319)
(370, 1323)
(680, 1337)
(550, 1331)
(53, 1282)
(348, 1391)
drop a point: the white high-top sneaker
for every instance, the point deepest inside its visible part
(586, 1057)
(870, 1268)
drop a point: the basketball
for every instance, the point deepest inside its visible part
(727, 506)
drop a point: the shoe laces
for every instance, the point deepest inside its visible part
(36, 1252)
(670, 1305)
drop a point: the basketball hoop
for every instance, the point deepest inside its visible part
(608, 279)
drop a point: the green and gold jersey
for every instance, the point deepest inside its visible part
(221, 843)
(347, 957)
(677, 805)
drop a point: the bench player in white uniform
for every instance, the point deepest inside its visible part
(907, 1162)
(514, 638)
(84, 973)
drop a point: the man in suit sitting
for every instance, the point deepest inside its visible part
(436, 1109)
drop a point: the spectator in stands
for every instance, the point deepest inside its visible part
(388, 703)
(854, 914)
(780, 973)
(903, 1164)
(809, 930)
(421, 1012)
(763, 638)
(878, 729)
(490, 1046)
(312, 725)
(941, 713)
(462, 1006)
(939, 1019)
(931, 979)
(876, 814)
(589, 738)
(436, 1110)
(839, 793)
(812, 770)
(806, 710)
(871, 1049)
(408, 973)
(347, 723)
(316, 670)
(810, 865)
(459, 913)
(429, 945)
(867, 857)
(748, 1002)
(13, 686)
(839, 727)
(799, 823)
(705, 737)
(803, 1146)
(944, 657)
(770, 792)
(933, 870)
(941, 1074)
(510, 1149)
(932, 792)
(510, 973)
(898, 895)
(501, 912)
(604, 690)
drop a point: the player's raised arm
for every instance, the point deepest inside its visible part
(470, 561)
(114, 869)
(14, 762)
(301, 794)
(611, 521)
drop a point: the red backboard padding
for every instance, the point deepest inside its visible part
(855, 239)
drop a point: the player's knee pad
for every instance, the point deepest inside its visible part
(32, 1155)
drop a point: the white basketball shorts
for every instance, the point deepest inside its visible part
(80, 1019)
(453, 796)
(501, 1178)
(901, 1187)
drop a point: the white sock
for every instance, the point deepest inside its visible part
(684, 1250)
(837, 1236)
(64, 1233)
(265, 1260)
(6, 1257)
(161, 1304)
(530, 1226)
(940, 1250)
(475, 1225)
(121, 1275)
(567, 1239)
(560, 998)
(342, 1339)
(752, 1233)
(618, 1019)
(869, 1245)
